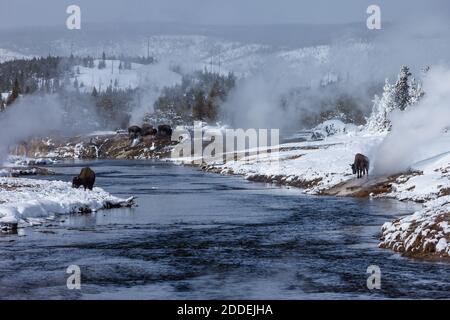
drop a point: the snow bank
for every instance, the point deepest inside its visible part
(331, 128)
(20, 161)
(312, 165)
(426, 232)
(23, 200)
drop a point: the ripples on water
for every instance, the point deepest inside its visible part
(197, 235)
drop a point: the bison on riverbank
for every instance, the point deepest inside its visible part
(86, 178)
(148, 130)
(164, 130)
(360, 166)
(134, 132)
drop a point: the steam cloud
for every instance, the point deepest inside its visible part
(30, 116)
(415, 131)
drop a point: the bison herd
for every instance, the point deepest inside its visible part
(164, 130)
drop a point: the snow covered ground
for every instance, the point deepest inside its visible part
(153, 75)
(315, 165)
(27, 201)
(426, 232)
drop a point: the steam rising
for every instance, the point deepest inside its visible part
(30, 116)
(415, 131)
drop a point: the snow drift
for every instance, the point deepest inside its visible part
(24, 200)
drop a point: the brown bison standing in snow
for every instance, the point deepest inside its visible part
(86, 178)
(134, 132)
(361, 165)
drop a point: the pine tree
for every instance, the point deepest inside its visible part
(402, 98)
(211, 103)
(378, 120)
(406, 92)
(75, 84)
(198, 109)
(415, 92)
(14, 93)
(102, 63)
(94, 92)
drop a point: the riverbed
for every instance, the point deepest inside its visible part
(198, 235)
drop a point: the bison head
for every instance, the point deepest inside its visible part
(76, 182)
(353, 168)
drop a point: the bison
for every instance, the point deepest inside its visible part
(164, 130)
(134, 132)
(361, 165)
(148, 130)
(86, 178)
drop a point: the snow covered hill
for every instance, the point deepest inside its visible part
(154, 76)
(7, 55)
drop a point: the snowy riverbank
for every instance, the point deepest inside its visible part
(27, 201)
(322, 167)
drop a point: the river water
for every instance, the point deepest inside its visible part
(199, 235)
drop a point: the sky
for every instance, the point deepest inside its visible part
(28, 13)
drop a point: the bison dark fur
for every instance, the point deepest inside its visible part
(86, 178)
(148, 130)
(164, 130)
(360, 166)
(134, 132)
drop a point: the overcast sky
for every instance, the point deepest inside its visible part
(25, 13)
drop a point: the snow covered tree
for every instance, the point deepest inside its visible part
(401, 97)
(378, 120)
(404, 93)
(415, 92)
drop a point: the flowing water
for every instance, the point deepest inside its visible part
(198, 235)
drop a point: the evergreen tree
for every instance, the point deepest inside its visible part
(14, 93)
(102, 63)
(378, 120)
(198, 109)
(94, 92)
(406, 92)
(402, 98)
(415, 92)
(75, 84)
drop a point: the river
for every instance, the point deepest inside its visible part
(198, 235)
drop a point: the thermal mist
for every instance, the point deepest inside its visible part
(30, 116)
(415, 131)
